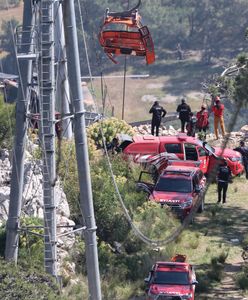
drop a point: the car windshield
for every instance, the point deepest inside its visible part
(179, 185)
(171, 278)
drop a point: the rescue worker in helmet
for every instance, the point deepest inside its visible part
(183, 109)
(158, 112)
(202, 119)
(218, 110)
(191, 125)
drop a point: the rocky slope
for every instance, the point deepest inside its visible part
(32, 205)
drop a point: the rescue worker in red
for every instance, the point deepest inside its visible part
(183, 109)
(158, 112)
(202, 119)
(218, 110)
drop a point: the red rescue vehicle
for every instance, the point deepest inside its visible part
(144, 147)
(171, 281)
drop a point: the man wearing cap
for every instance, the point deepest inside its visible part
(158, 112)
(183, 109)
(243, 150)
(202, 119)
(218, 110)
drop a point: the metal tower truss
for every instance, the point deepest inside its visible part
(47, 106)
(17, 175)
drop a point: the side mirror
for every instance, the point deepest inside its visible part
(194, 282)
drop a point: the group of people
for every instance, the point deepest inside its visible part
(201, 122)
(190, 122)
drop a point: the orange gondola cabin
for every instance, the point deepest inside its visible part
(134, 39)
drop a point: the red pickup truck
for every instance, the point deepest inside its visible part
(185, 148)
(180, 187)
(171, 280)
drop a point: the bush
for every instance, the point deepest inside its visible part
(18, 283)
(31, 246)
(7, 124)
(216, 270)
(203, 282)
(242, 278)
(2, 240)
(110, 128)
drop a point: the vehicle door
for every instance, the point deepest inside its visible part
(203, 157)
(190, 152)
(145, 183)
(175, 148)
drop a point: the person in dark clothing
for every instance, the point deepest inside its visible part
(191, 125)
(158, 112)
(223, 178)
(114, 146)
(243, 150)
(183, 109)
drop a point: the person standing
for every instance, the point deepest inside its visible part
(243, 150)
(202, 119)
(223, 177)
(191, 125)
(158, 112)
(183, 109)
(218, 110)
(113, 146)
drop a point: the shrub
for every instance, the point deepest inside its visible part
(31, 246)
(216, 270)
(7, 124)
(222, 257)
(2, 240)
(18, 283)
(242, 280)
(110, 128)
(203, 281)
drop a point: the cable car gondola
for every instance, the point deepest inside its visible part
(135, 39)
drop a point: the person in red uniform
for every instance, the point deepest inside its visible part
(218, 110)
(202, 119)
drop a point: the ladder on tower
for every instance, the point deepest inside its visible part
(47, 98)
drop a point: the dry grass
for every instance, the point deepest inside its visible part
(140, 95)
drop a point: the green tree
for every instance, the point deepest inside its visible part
(7, 123)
